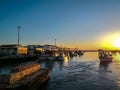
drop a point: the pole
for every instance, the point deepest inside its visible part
(55, 41)
(19, 35)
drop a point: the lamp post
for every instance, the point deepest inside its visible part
(18, 34)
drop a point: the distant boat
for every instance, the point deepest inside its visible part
(104, 56)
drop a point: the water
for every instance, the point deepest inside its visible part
(82, 73)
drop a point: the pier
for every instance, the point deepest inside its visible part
(24, 75)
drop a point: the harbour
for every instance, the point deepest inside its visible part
(60, 45)
(81, 73)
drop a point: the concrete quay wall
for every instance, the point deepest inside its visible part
(19, 72)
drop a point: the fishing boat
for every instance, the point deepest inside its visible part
(51, 57)
(62, 56)
(105, 56)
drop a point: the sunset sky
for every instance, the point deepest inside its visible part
(85, 24)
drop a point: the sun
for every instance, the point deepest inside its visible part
(111, 41)
(116, 42)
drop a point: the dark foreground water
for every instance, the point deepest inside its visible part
(82, 73)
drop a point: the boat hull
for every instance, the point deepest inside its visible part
(105, 59)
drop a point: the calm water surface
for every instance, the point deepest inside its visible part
(82, 73)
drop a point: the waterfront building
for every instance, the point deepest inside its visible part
(8, 50)
(34, 49)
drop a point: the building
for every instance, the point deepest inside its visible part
(8, 50)
(34, 49)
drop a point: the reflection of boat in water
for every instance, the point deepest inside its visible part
(105, 56)
(104, 66)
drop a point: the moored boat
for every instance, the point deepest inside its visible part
(105, 56)
(62, 57)
(51, 57)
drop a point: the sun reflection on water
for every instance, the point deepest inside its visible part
(66, 62)
(118, 83)
(116, 56)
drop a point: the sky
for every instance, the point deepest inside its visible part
(84, 24)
